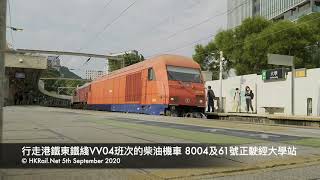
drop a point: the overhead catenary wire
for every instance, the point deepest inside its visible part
(284, 29)
(184, 46)
(162, 21)
(202, 22)
(98, 19)
(237, 44)
(118, 17)
(99, 15)
(207, 20)
(87, 44)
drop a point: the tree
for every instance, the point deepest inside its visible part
(207, 57)
(53, 84)
(313, 20)
(289, 38)
(231, 42)
(128, 59)
(225, 42)
(246, 47)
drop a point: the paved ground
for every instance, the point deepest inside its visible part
(46, 125)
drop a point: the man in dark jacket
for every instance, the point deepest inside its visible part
(211, 98)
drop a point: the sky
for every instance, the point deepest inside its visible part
(152, 27)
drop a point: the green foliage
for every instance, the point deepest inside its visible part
(291, 41)
(246, 47)
(53, 84)
(50, 73)
(128, 59)
(232, 43)
(207, 57)
(313, 20)
(66, 73)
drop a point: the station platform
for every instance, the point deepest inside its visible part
(269, 119)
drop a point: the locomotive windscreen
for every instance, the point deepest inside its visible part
(184, 74)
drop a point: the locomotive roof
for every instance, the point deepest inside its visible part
(173, 60)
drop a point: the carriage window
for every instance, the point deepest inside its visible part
(151, 75)
(184, 74)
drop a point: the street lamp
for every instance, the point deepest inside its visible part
(221, 62)
(220, 79)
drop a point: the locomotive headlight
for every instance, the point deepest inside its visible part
(172, 99)
(201, 101)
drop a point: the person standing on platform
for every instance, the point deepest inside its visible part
(211, 98)
(236, 99)
(249, 96)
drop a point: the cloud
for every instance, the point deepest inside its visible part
(70, 25)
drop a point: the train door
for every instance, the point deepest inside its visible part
(150, 86)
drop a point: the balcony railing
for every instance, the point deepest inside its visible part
(294, 17)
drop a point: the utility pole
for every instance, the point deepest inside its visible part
(220, 79)
(318, 109)
(3, 44)
(293, 74)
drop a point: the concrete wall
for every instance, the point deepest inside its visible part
(30, 65)
(274, 93)
(25, 61)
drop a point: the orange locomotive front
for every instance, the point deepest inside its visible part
(186, 91)
(168, 84)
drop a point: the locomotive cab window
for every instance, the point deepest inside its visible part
(184, 74)
(151, 75)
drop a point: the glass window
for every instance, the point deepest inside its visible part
(184, 74)
(151, 75)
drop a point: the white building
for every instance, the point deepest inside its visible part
(239, 10)
(274, 93)
(92, 74)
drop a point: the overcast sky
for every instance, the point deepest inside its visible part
(150, 26)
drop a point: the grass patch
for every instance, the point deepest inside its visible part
(313, 142)
(199, 137)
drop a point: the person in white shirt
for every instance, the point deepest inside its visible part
(236, 99)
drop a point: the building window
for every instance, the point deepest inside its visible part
(151, 75)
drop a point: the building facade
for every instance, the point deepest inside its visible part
(92, 74)
(238, 10)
